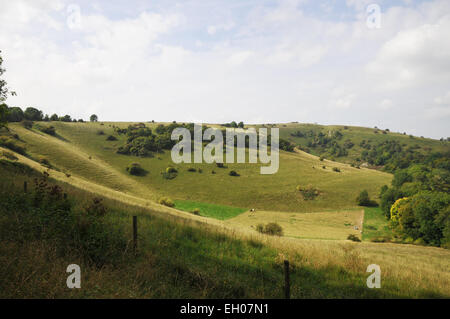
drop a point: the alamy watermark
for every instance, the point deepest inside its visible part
(373, 12)
(257, 144)
(74, 279)
(73, 16)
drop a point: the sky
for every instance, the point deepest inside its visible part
(349, 62)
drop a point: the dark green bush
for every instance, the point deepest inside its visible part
(111, 138)
(136, 169)
(353, 238)
(233, 173)
(363, 199)
(50, 130)
(27, 124)
(12, 145)
(309, 192)
(166, 202)
(272, 229)
(9, 156)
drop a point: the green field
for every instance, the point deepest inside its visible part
(209, 210)
(375, 224)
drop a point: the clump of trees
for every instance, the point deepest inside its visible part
(141, 141)
(233, 124)
(363, 199)
(418, 201)
(16, 114)
(325, 143)
(50, 130)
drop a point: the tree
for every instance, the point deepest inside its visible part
(3, 95)
(54, 117)
(4, 90)
(15, 114)
(93, 118)
(364, 200)
(3, 115)
(33, 114)
(66, 118)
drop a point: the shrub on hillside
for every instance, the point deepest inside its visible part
(27, 124)
(309, 192)
(9, 156)
(100, 132)
(233, 173)
(44, 161)
(111, 138)
(353, 238)
(171, 169)
(196, 211)
(136, 169)
(272, 229)
(50, 130)
(12, 145)
(191, 169)
(336, 169)
(166, 202)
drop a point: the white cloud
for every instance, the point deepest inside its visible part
(274, 63)
(386, 104)
(414, 57)
(443, 100)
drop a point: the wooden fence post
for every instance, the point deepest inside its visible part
(287, 285)
(135, 233)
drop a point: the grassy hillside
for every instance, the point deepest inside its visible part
(356, 135)
(81, 151)
(179, 258)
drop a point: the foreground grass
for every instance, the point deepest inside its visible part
(180, 258)
(209, 210)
